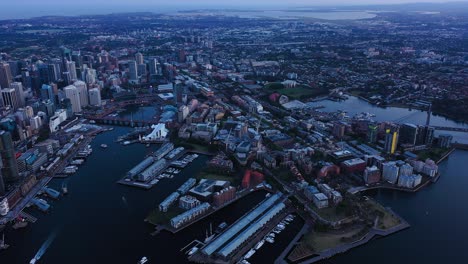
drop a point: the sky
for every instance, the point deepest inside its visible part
(22, 3)
(16, 9)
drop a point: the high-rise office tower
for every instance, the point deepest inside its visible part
(153, 67)
(408, 134)
(71, 68)
(139, 58)
(83, 92)
(133, 70)
(9, 98)
(7, 152)
(47, 93)
(372, 132)
(2, 185)
(54, 72)
(5, 75)
(391, 141)
(71, 92)
(19, 92)
(94, 97)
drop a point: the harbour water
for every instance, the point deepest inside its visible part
(100, 221)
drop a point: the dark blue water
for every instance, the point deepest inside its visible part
(354, 106)
(438, 216)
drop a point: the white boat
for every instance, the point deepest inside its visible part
(193, 251)
(260, 244)
(249, 254)
(2, 243)
(33, 261)
(104, 146)
(143, 260)
(270, 240)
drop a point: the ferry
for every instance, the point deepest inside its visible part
(143, 260)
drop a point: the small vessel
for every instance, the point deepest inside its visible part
(143, 260)
(270, 240)
(33, 261)
(104, 146)
(2, 243)
(260, 244)
(148, 145)
(64, 188)
(193, 251)
(127, 143)
(249, 254)
(20, 223)
(221, 227)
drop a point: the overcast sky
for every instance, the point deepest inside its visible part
(22, 3)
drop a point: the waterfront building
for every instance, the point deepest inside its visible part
(353, 165)
(188, 202)
(371, 175)
(408, 134)
(206, 188)
(224, 196)
(189, 215)
(320, 200)
(406, 170)
(184, 188)
(9, 168)
(152, 170)
(95, 97)
(159, 132)
(59, 117)
(390, 172)
(72, 93)
(391, 141)
(445, 140)
(164, 205)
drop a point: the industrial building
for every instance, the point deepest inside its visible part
(206, 188)
(184, 188)
(164, 205)
(140, 167)
(185, 217)
(231, 234)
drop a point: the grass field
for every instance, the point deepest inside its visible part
(318, 241)
(388, 220)
(330, 213)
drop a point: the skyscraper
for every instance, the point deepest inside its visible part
(71, 92)
(153, 67)
(391, 141)
(95, 97)
(372, 133)
(19, 92)
(408, 134)
(139, 58)
(47, 93)
(7, 152)
(83, 92)
(133, 71)
(71, 68)
(5, 75)
(9, 98)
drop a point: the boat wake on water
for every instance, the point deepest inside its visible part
(44, 247)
